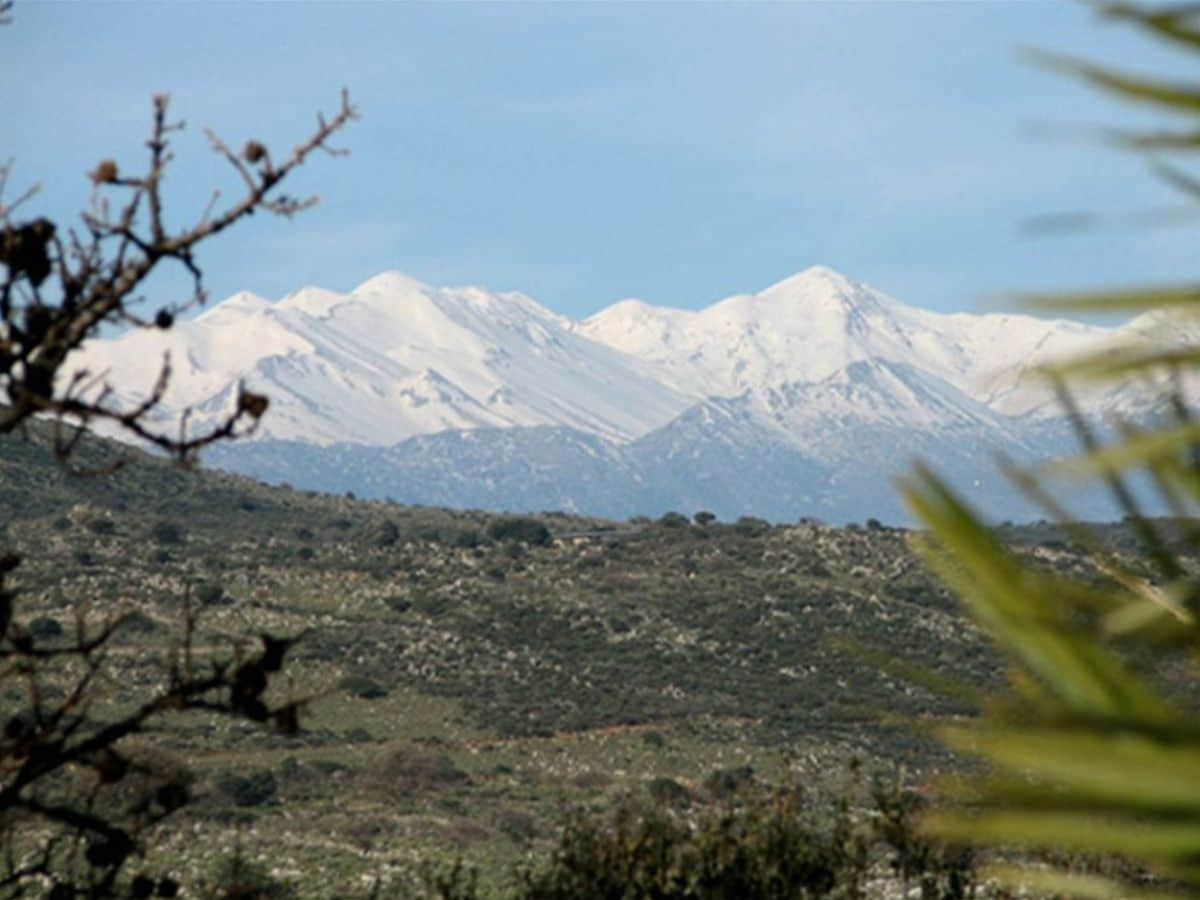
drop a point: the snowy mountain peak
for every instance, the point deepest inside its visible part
(816, 282)
(396, 357)
(389, 360)
(314, 301)
(391, 283)
(241, 303)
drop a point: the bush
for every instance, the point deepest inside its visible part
(359, 686)
(415, 769)
(210, 593)
(751, 526)
(673, 520)
(167, 533)
(668, 792)
(467, 539)
(241, 879)
(764, 849)
(256, 789)
(521, 529)
(387, 535)
(398, 604)
(725, 784)
(44, 628)
(101, 525)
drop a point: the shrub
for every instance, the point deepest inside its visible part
(387, 535)
(521, 529)
(101, 525)
(44, 628)
(210, 593)
(360, 686)
(519, 826)
(725, 784)
(398, 604)
(413, 769)
(668, 792)
(138, 621)
(467, 539)
(751, 525)
(167, 532)
(241, 879)
(768, 848)
(255, 789)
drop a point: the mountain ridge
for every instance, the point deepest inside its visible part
(816, 381)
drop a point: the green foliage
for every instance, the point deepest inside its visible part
(256, 788)
(387, 534)
(1094, 750)
(239, 878)
(414, 769)
(361, 686)
(167, 532)
(766, 847)
(210, 593)
(520, 529)
(467, 539)
(673, 520)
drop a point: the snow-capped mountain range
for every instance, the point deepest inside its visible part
(802, 399)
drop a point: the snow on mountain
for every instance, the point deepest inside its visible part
(812, 325)
(803, 398)
(390, 359)
(396, 357)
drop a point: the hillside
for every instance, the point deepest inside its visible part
(467, 690)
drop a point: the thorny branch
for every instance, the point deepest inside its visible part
(56, 291)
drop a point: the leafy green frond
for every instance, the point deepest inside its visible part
(1005, 598)
(1144, 449)
(1176, 23)
(1175, 97)
(1085, 753)
(1102, 767)
(1123, 300)
(1050, 882)
(1121, 361)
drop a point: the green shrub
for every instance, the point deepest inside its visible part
(520, 529)
(166, 532)
(360, 686)
(44, 628)
(101, 525)
(255, 789)
(210, 593)
(668, 792)
(765, 849)
(725, 784)
(467, 539)
(398, 604)
(387, 534)
(414, 769)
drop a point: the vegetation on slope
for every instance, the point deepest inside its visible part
(466, 687)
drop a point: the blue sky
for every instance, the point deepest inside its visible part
(583, 153)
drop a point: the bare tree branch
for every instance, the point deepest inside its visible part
(96, 280)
